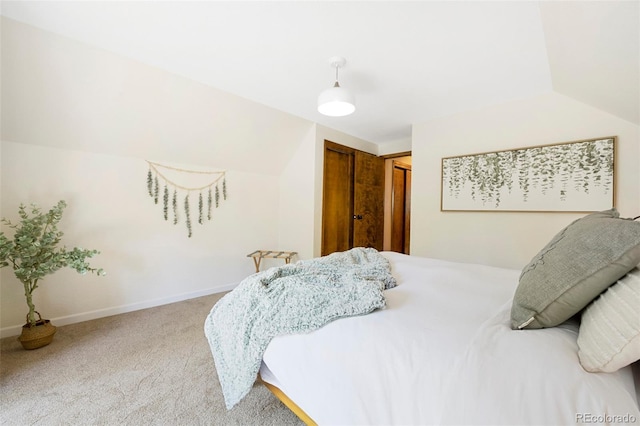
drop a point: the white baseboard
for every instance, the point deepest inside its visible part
(107, 312)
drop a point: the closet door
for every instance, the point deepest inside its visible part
(368, 203)
(337, 199)
(353, 199)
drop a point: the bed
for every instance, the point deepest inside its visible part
(444, 349)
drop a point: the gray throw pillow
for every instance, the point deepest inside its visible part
(578, 264)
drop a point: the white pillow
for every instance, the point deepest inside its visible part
(609, 336)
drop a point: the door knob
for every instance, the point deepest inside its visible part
(357, 216)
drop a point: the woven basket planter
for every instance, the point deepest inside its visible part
(37, 336)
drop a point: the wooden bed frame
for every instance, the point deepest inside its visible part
(289, 403)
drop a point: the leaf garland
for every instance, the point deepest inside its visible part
(153, 188)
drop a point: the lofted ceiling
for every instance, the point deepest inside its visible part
(407, 62)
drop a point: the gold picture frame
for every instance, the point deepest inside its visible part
(574, 177)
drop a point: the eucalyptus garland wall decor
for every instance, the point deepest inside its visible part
(571, 176)
(176, 197)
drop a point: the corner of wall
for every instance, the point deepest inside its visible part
(297, 199)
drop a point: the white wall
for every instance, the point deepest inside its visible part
(79, 122)
(61, 93)
(394, 147)
(148, 260)
(297, 200)
(508, 239)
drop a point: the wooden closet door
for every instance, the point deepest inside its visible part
(368, 203)
(337, 199)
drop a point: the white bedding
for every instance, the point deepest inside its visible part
(442, 352)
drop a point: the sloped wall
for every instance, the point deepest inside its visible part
(78, 124)
(61, 93)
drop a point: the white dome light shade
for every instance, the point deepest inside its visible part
(336, 102)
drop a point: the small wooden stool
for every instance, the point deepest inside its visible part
(258, 255)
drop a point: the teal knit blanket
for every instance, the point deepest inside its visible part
(295, 298)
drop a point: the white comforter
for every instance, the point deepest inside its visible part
(442, 352)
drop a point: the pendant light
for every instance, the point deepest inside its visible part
(336, 101)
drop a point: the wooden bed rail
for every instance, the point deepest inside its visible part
(289, 403)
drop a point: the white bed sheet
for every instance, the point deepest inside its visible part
(442, 352)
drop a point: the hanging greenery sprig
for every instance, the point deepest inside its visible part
(186, 213)
(165, 199)
(174, 205)
(224, 188)
(153, 188)
(150, 183)
(209, 202)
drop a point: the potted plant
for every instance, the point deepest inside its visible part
(35, 252)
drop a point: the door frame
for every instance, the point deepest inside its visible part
(406, 207)
(388, 194)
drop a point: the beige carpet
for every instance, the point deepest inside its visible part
(150, 367)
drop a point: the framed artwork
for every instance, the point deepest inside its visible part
(569, 177)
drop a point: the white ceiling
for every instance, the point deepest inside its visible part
(407, 62)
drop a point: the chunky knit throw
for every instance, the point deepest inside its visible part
(295, 298)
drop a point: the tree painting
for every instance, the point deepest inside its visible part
(573, 176)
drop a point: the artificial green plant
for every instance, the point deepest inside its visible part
(35, 252)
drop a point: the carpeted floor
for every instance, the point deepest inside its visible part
(149, 367)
